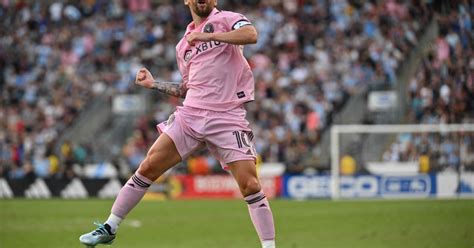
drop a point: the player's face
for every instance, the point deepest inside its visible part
(202, 8)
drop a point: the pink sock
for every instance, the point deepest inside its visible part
(261, 215)
(130, 194)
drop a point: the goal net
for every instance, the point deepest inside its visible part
(402, 161)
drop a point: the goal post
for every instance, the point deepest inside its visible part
(366, 131)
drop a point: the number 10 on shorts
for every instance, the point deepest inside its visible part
(243, 138)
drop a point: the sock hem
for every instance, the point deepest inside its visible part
(114, 222)
(143, 178)
(268, 243)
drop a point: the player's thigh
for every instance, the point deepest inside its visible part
(245, 173)
(161, 156)
(230, 144)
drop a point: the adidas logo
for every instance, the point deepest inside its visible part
(5, 190)
(38, 190)
(110, 190)
(75, 189)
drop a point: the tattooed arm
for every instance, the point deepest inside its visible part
(170, 88)
(145, 79)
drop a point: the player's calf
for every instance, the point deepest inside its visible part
(262, 218)
(128, 197)
(245, 174)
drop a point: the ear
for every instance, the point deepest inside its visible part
(215, 3)
(186, 2)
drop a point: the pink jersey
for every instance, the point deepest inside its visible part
(216, 74)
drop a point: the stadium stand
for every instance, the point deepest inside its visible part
(442, 91)
(312, 56)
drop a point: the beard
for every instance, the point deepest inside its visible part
(203, 12)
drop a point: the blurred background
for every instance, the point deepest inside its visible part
(74, 125)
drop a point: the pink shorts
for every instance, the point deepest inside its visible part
(226, 134)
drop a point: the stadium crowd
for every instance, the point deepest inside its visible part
(442, 91)
(326, 52)
(55, 57)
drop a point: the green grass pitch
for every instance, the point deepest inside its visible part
(225, 223)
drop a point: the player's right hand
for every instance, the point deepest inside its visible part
(144, 78)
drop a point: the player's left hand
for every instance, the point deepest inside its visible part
(198, 36)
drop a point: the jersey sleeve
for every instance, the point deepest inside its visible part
(235, 21)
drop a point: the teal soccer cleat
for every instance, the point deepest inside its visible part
(101, 235)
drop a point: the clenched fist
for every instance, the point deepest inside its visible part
(198, 36)
(144, 78)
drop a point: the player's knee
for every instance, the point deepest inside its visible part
(147, 167)
(152, 156)
(251, 186)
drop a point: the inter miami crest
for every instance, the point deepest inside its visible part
(187, 55)
(209, 28)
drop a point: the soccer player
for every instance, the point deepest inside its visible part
(217, 81)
